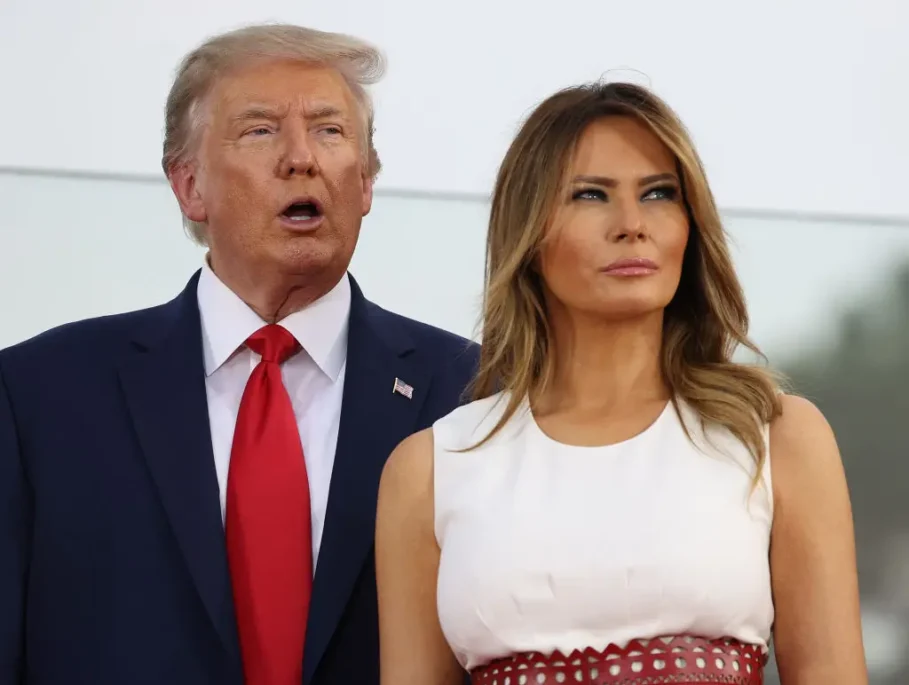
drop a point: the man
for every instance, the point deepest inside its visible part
(187, 493)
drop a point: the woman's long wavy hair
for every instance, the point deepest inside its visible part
(705, 322)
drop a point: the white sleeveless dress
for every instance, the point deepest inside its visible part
(551, 547)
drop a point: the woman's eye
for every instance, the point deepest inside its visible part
(589, 194)
(665, 193)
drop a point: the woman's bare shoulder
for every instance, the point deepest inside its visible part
(806, 459)
(802, 434)
(408, 472)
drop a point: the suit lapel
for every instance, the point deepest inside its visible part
(164, 384)
(374, 419)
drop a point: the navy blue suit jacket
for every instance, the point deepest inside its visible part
(113, 566)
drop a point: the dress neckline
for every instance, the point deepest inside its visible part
(667, 410)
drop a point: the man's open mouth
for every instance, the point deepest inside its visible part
(302, 210)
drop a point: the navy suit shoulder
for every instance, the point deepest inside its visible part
(104, 337)
(59, 365)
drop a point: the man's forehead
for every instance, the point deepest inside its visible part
(283, 87)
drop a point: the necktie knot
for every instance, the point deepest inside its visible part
(274, 343)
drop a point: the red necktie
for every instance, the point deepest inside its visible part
(268, 523)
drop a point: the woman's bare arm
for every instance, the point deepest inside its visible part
(817, 633)
(412, 648)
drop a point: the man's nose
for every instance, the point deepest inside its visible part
(298, 156)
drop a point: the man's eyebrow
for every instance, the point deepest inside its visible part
(325, 112)
(257, 112)
(260, 112)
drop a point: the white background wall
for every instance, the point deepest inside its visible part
(795, 104)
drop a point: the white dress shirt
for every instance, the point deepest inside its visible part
(314, 378)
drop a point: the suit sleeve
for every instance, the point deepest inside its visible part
(15, 535)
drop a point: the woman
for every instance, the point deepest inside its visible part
(623, 502)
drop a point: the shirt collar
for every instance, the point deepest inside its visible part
(227, 321)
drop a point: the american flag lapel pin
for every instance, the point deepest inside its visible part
(402, 388)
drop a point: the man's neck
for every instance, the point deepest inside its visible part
(274, 297)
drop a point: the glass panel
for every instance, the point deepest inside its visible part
(829, 305)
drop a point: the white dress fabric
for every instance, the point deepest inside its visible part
(546, 546)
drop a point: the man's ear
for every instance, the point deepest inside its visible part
(368, 183)
(183, 181)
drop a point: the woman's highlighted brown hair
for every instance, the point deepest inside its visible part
(704, 323)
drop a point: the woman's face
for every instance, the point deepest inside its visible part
(615, 245)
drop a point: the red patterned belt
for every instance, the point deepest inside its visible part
(678, 660)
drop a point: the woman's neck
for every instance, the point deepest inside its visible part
(601, 365)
